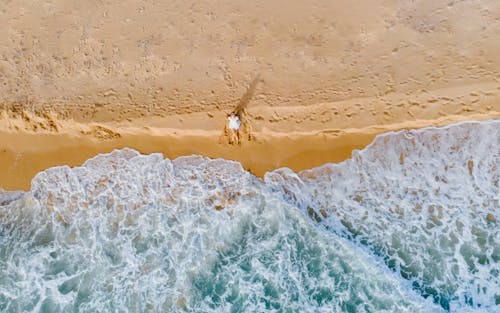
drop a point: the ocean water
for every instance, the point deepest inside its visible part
(409, 224)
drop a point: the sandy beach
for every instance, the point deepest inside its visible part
(318, 79)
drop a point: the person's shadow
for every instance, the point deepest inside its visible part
(245, 130)
(240, 109)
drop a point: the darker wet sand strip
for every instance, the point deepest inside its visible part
(41, 151)
(24, 154)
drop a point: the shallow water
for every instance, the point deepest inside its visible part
(409, 224)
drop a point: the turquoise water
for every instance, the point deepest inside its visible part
(410, 224)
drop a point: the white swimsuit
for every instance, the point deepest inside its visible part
(234, 123)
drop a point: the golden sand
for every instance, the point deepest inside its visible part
(318, 78)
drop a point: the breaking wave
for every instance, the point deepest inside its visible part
(409, 224)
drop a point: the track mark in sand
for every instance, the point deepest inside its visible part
(332, 132)
(102, 133)
(31, 121)
(50, 123)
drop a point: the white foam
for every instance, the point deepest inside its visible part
(426, 201)
(133, 233)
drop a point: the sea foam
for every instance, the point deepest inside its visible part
(426, 201)
(409, 224)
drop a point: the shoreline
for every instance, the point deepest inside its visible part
(27, 152)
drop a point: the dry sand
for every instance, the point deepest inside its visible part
(79, 78)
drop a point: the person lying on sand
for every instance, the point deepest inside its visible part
(234, 126)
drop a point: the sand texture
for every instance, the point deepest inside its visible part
(315, 79)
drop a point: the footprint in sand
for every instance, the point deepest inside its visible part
(102, 133)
